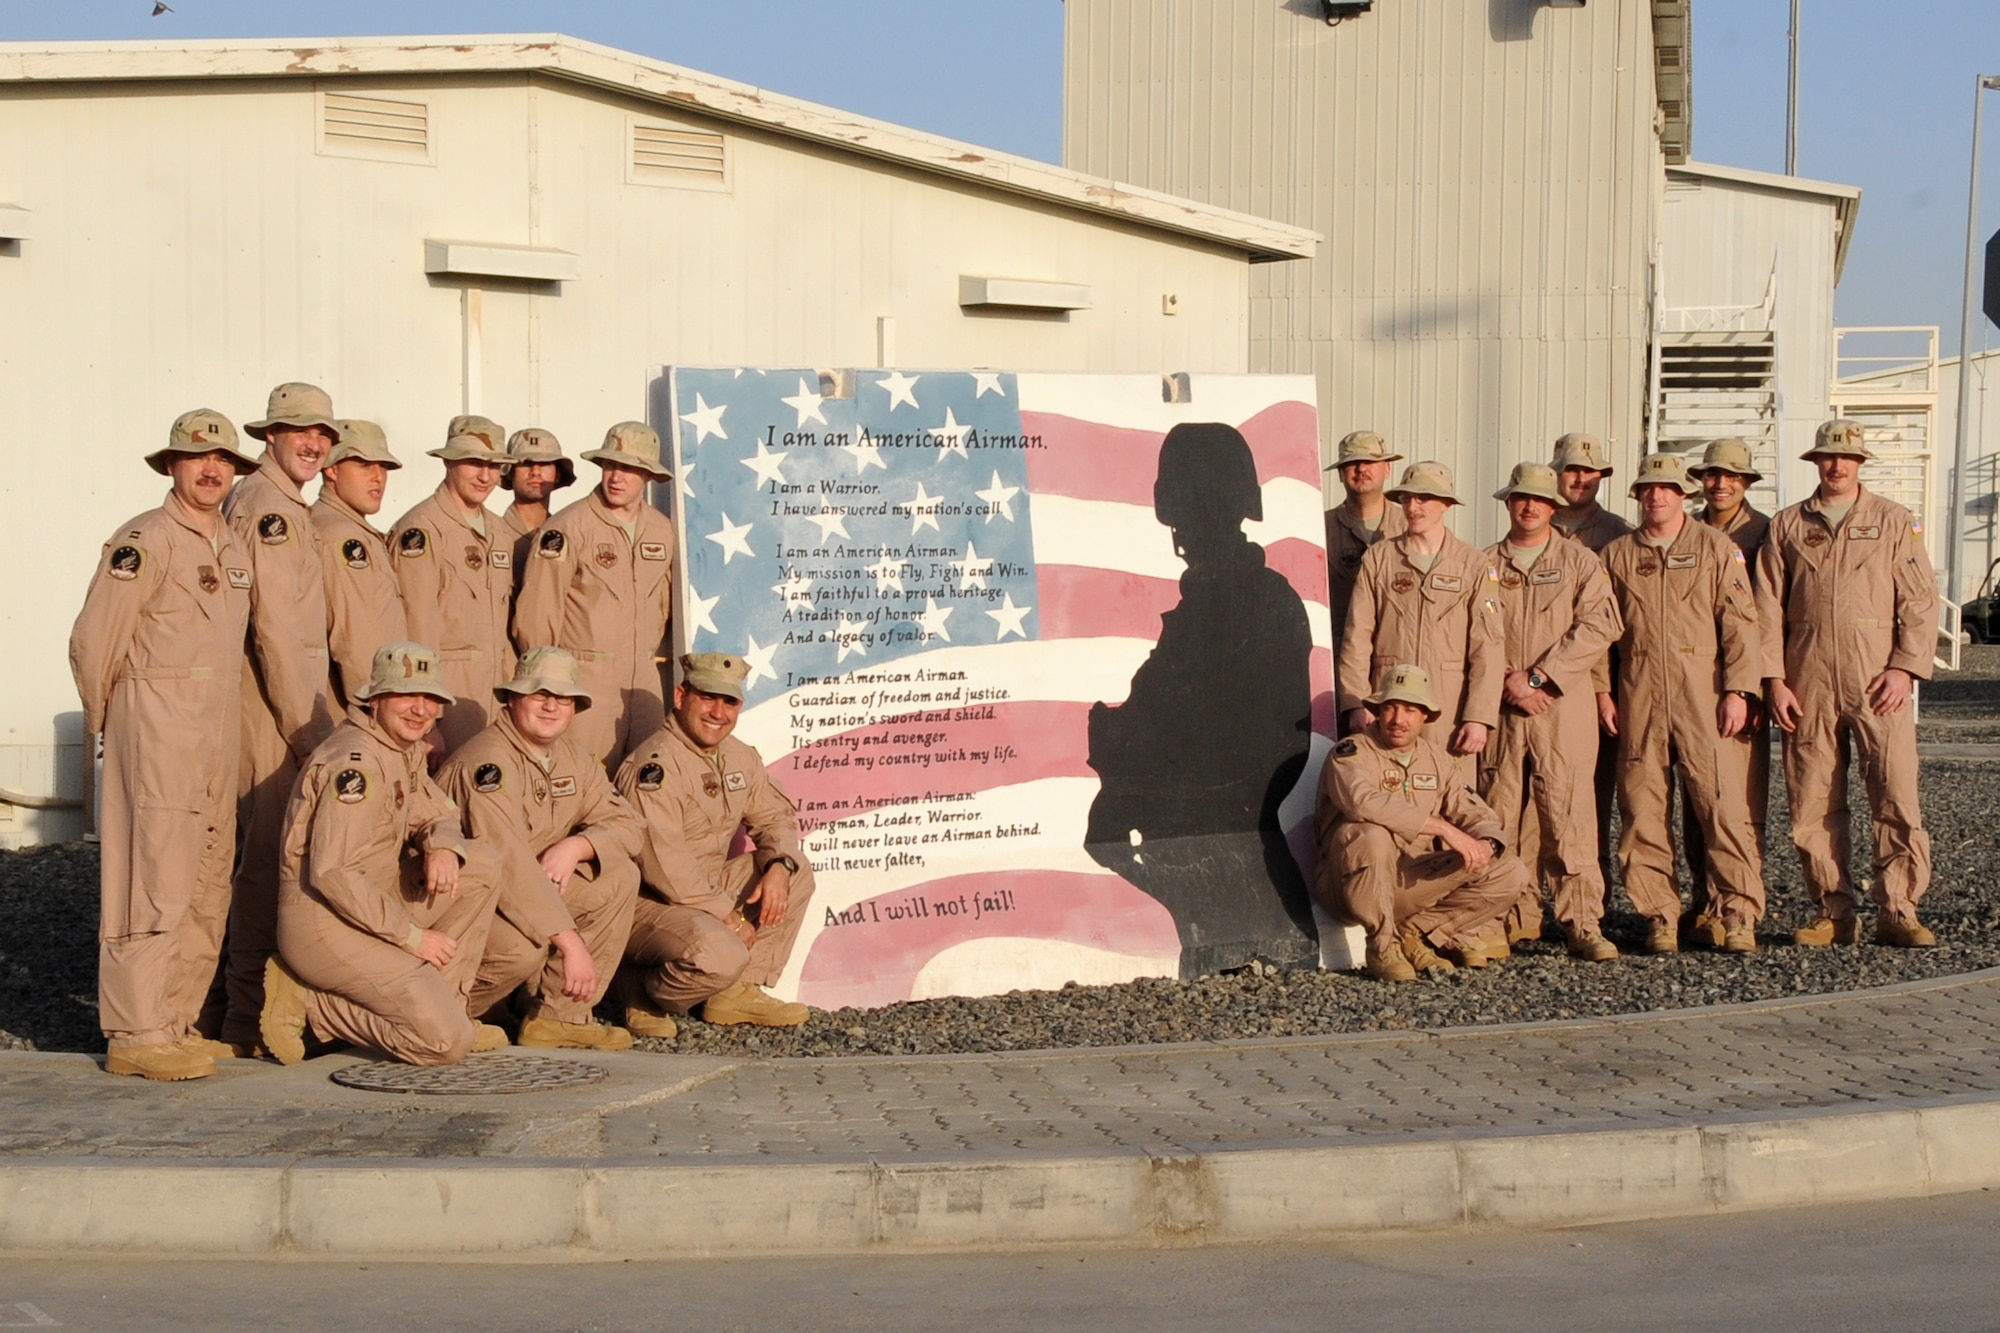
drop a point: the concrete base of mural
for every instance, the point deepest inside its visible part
(1341, 948)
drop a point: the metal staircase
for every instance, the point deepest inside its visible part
(1715, 374)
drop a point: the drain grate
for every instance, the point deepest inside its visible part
(476, 1076)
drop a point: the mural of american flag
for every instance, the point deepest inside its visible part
(933, 577)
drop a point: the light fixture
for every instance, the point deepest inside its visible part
(1333, 11)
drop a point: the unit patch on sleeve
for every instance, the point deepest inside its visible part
(651, 776)
(413, 542)
(126, 562)
(1347, 748)
(273, 530)
(549, 546)
(486, 778)
(354, 553)
(351, 786)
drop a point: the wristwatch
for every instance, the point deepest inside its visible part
(1536, 680)
(785, 861)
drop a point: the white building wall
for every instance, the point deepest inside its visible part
(191, 248)
(1979, 532)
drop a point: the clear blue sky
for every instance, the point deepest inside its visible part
(1886, 100)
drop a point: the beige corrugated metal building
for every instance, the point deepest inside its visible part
(1487, 175)
(522, 226)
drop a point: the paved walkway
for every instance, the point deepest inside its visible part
(1906, 1046)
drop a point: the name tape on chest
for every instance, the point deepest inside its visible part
(503, 560)
(1447, 583)
(1423, 782)
(1546, 575)
(652, 550)
(736, 781)
(564, 785)
(1685, 560)
(1864, 532)
(238, 578)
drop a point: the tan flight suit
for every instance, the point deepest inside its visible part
(1690, 634)
(1380, 870)
(1747, 528)
(1346, 542)
(1446, 621)
(693, 805)
(157, 653)
(351, 901)
(518, 536)
(364, 602)
(604, 596)
(1597, 530)
(521, 807)
(457, 589)
(1559, 617)
(288, 709)
(1839, 608)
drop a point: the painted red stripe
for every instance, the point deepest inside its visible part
(1303, 563)
(1086, 602)
(1087, 460)
(875, 961)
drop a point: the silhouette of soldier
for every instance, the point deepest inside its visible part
(1214, 732)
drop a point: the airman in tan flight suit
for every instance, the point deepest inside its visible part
(1727, 470)
(456, 567)
(1689, 668)
(568, 848)
(536, 470)
(364, 603)
(1558, 619)
(712, 929)
(1358, 522)
(1425, 598)
(383, 908)
(1850, 614)
(601, 585)
(287, 701)
(157, 653)
(1407, 850)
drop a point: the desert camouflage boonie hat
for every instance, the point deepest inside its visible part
(296, 404)
(631, 444)
(202, 431)
(363, 440)
(479, 438)
(532, 444)
(1838, 438)
(1432, 479)
(405, 668)
(1584, 450)
(1729, 455)
(1663, 469)
(715, 673)
(547, 670)
(1362, 446)
(1408, 684)
(1536, 479)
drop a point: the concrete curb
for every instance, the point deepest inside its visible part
(580, 1211)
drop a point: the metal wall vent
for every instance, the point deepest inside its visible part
(676, 155)
(387, 129)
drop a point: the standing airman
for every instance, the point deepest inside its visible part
(1362, 519)
(536, 470)
(364, 603)
(383, 908)
(456, 568)
(1850, 614)
(600, 584)
(568, 848)
(1558, 617)
(1689, 668)
(157, 653)
(1425, 598)
(712, 929)
(287, 702)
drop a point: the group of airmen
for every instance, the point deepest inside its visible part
(381, 787)
(1491, 702)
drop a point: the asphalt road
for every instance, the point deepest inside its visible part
(1924, 1265)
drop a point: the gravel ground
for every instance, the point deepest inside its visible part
(48, 957)
(1978, 661)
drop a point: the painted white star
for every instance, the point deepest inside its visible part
(999, 499)
(887, 573)
(829, 523)
(923, 511)
(866, 454)
(687, 488)
(1009, 617)
(699, 608)
(769, 467)
(806, 404)
(706, 421)
(792, 592)
(760, 661)
(933, 618)
(972, 571)
(902, 388)
(846, 636)
(950, 437)
(988, 382)
(734, 537)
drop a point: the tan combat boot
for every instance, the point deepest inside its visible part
(643, 1018)
(163, 1062)
(552, 1034)
(1471, 955)
(1703, 930)
(488, 1037)
(1421, 956)
(744, 1003)
(1591, 947)
(1829, 930)
(218, 1050)
(283, 1022)
(1663, 938)
(1740, 938)
(1903, 932)
(1386, 962)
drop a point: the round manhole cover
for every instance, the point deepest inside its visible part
(475, 1076)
